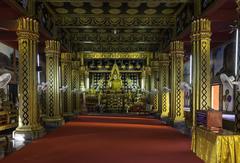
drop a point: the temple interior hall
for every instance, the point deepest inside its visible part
(119, 81)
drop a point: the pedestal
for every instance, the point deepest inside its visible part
(28, 134)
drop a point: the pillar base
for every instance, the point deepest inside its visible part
(181, 126)
(77, 112)
(68, 116)
(170, 121)
(157, 115)
(179, 120)
(53, 122)
(164, 115)
(28, 133)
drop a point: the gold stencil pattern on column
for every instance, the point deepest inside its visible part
(201, 33)
(177, 96)
(155, 82)
(76, 85)
(66, 66)
(52, 51)
(29, 125)
(237, 94)
(164, 82)
(155, 98)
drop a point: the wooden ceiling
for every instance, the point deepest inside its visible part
(109, 25)
(223, 15)
(100, 25)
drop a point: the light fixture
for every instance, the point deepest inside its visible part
(190, 74)
(4, 29)
(115, 31)
(38, 73)
(236, 51)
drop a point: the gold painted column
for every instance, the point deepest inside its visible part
(52, 50)
(147, 70)
(201, 33)
(66, 75)
(147, 79)
(87, 82)
(164, 82)
(82, 89)
(143, 79)
(82, 72)
(177, 95)
(76, 86)
(237, 93)
(29, 122)
(155, 84)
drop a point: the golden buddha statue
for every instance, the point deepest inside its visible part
(115, 81)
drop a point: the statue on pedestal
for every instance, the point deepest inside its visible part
(115, 81)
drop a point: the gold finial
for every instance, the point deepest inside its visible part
(52, 46)
(238, 4)
(201, 25)
(27, 28)
(177, 48)
(66, 56)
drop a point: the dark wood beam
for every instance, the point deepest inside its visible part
(120, 21)
(8, 36)
(123, 1)
(8, 25)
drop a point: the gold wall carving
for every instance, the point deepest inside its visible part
(117, 47)
(96, 55)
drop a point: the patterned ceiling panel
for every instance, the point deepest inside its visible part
(115, 8)
(101, 25)
(117, 47)
(146, 38)
(118, 31)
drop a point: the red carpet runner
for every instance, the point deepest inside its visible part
(101, 139)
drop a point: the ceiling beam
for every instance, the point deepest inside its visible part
(116, 47)
(113, 43)
(122, 1)
(111, 37)
(121, 21)
(8, 36)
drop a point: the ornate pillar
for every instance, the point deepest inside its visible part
(66, 75)
(238, 6)
(143, 77)
(53, 114)
(201, 33)
(177, 95)
(29, 122)
(155, 84)
(147, 79)
(164, 82)
(87, 82)
(76, 86)
(237, 94)
(82, 84)
(147, 70)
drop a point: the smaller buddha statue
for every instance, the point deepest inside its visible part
(115, 81)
